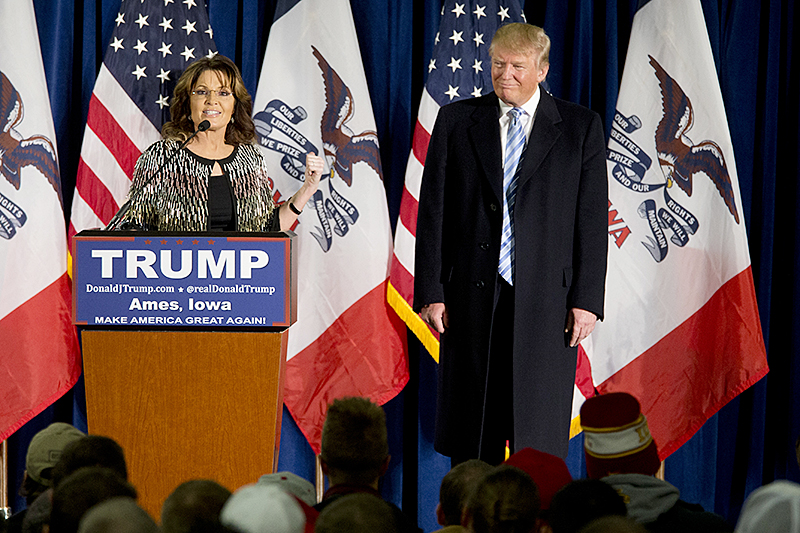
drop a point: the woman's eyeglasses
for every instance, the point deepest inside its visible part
(221, 93)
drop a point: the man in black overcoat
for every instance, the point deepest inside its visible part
(509, 348)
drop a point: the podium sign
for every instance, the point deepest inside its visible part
(184, 280)
(184, 340)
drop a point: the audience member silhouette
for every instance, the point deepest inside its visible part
(80, 491)
(773, 508)
(260, 508)
(505, 501)
(582, 501)
(300, 487)
(549, 472)
(358, 512)
(92, 450)
(43, 453)
(194, 507)
(457, 486)
(37, 519)
(117, 515)
(620, 450)
(355, 452)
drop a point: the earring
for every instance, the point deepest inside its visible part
(231, 120)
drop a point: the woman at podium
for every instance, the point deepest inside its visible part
(207, 173)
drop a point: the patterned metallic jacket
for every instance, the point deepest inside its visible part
(177, 199)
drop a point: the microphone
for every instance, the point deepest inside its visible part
(112, 225)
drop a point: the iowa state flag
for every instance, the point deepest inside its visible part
(39, 358)
(681, 332)
(312, 97)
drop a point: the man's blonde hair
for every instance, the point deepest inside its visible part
(523, 39)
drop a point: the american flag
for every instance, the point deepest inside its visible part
(152, 44)
(460, 68)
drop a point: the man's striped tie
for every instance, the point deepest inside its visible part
(515, 146)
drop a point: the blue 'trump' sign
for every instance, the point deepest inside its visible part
(219, 280)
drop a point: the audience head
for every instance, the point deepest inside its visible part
(613, 524)
(263, 509)
(355, 446)
(82, 490)
(92, 450)
(44, 452)
(117, 515)
(38, 514)
(194, 507)
(457, 486)
(506, 500)
(301, 488)
(582, 501)
(549, 472)
(357, 513)
(772, 508)
(616, 437)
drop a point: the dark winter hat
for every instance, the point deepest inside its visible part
(616, 438)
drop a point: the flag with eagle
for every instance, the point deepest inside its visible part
(39, 358)
(312, 97)
(681, 330)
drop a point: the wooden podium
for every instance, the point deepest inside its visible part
(185, 402)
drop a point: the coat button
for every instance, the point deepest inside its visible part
(493, 207)
(479, 284)
(484, 245)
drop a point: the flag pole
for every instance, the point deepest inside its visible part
(320, 480)
(5, 510)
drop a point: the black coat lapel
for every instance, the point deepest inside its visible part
(543, 137)
(484, 134)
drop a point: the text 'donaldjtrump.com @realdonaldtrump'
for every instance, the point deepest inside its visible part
(182, 281)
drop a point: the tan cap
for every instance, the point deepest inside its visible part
(45, 450)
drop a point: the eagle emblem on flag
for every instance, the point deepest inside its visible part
(341, 146)
(16, 153)
(679, 159)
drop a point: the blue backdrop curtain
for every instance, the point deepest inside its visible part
(751, 440)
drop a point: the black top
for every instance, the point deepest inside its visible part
(221, 200)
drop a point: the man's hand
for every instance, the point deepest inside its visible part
(579, 324)
(435, 315)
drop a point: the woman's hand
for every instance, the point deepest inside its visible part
(314, 167)
(290, 210)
